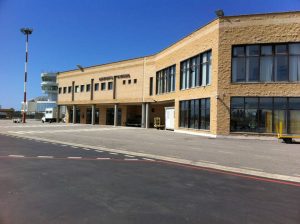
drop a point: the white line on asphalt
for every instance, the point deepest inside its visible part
(251, 168)
(87, 149)
(75, 147)
(102, 158)
(16, 155)
(263, 156)
(46, 157)
(63, 145)
(225, 152)
(131, 159)
(74, 157)
(113, 153)
(98, 151)
(148, 159)
(185, 161)
(205, 161)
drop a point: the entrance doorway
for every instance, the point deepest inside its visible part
(89, 115)
(110, 113)
(97, 115)
(169, 117)
(71, 116)
(77, 115)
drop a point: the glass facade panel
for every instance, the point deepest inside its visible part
(294, 121)
(196, 71)
(281, 68)
(265, 120)
(252, 66)
(266, 63)
(251, 102)
(195, 114)
(239, 70)
(266, 68)
(294, 66)
(165, 80)
(265, 114)
(294, 103)
(266, 50)
(294, 49)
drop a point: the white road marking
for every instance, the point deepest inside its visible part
(186, 161)
(102, 158)
(131, 159)
(16, 156)
(251, 168)
(87, 149)
(98, 151)
(205, 161)
(148, 159)
(45, 157)
(75, 147)
(63, 145)
(129, 156)
(74, 157)
(113, 153)
(225, 152)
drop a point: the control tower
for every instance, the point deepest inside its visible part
(49, 85)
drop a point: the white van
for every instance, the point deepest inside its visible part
(50, 115)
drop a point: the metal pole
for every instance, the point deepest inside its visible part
(27, 32)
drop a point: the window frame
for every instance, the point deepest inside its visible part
(187, 69)
(103, 86)
(260, 56)
(165, 79)
(110, 86)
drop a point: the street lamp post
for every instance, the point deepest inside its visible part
(27, 32)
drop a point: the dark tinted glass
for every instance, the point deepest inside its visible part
(280, 103)
(252, 50)
(251, 102)
(266, 50)
(237, 102)
(239, 51)
(294, 103)
(266, 103)
(281, 49)
(294, 48)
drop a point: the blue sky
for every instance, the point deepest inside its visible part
(92, 32)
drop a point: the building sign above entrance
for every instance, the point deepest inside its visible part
(123, 76)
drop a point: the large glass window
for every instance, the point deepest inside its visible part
(195, 114)
(165, 80)
(266, 63)
(265, 114)
(196, 71)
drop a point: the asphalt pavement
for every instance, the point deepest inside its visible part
(43, 182)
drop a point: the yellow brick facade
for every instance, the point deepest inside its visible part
(218, 36)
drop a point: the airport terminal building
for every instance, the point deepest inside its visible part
(235, 75)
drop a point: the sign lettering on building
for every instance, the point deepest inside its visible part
(123, 76)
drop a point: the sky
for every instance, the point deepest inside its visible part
(91, 32)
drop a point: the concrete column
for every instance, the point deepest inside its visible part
(147, 115)
(58, 114)
(74, 114)
(93, 114)
(143, 115)
(116, 115)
